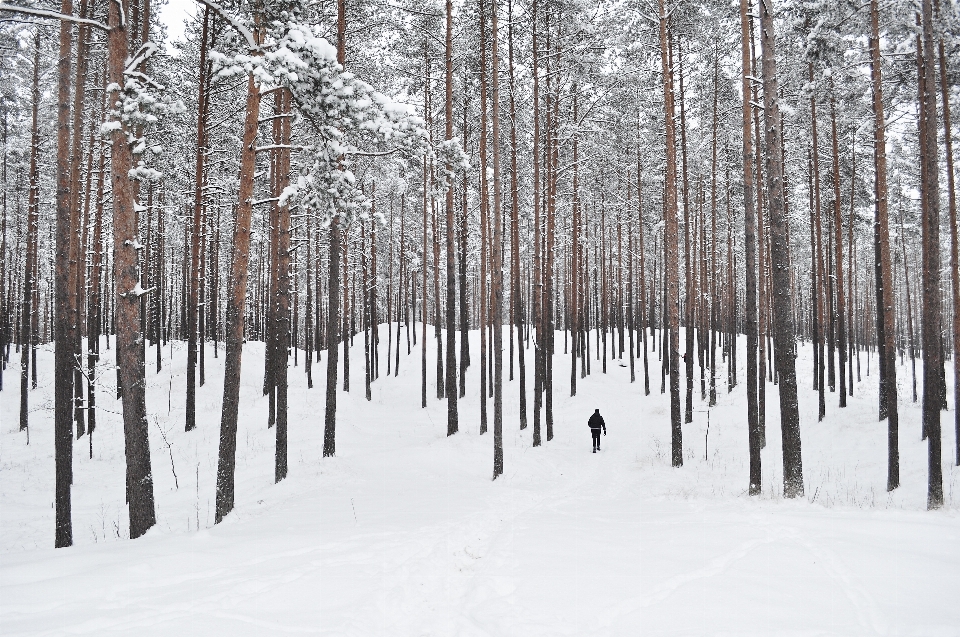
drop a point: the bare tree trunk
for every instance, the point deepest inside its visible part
(671, 305)
(64, 298)
(233, 336)
(76, 257)
(129, 337)
(643, 277)
(451, 315)
(537, 239)
(497, 282)
(515, 282)
(784, 334)
(95, 304)
(308, 327)
(930, 210)
(33, 209)
(282, 294)
(688, 278)
(462, 264)
(574, 313)
(954, 250)
(838, 259)
(194, 293)
(819, 268)
(750, 244)
(484, 213)
(714, 274)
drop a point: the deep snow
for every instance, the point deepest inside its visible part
(404, 533)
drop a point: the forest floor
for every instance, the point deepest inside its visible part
(404, 533)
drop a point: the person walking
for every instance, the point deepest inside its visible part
(596, 424)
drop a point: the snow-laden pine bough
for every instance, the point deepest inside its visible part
(348, 119)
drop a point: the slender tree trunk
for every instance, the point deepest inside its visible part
(954, 250)
(537, 239)
(95, 304)
(930, 211)
(130, 351)
(671, 306)
(76, 256)
(574, 314)
(516, 302)
(688, 274)
(838, 259)
(194, 292)
(750, 249)
(714, 305)
(484, 213)
(451, 314)
(33, 210)
(233, 336)
(820, 270)
(282, 294)
(643, 277)
(784, 334)
(497, 282)
(64, 299)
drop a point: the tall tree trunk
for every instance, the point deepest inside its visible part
(714, 274)
(64, 298)
(819, 267)
(33, 210)
(671, 305)
(688, 274)
(954, 250)
(282, 293)
(194, 293)
(516, 302)
(750, 249)
(537, 239)
(783, 331)
(129, 337)
(77, 258)
(930, 210)
(574, 314)
(484, 213)
(95, 303)
(233, 335)
(497, 282)
(451, 314)
(841, 335)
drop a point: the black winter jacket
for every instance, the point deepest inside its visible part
(596, 422)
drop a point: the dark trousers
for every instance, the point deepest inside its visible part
(596, 438)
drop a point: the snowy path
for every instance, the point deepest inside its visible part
(403, 533)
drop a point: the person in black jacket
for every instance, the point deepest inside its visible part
(596, 424)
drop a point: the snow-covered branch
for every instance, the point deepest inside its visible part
(53, 15)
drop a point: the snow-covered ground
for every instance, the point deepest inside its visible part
(404, 533)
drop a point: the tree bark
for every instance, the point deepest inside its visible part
(750, 249)
(451, 314)
(194, 292)
(64, 297)
(130, 351)
(930, 210)
(497, 282)
(784, 334)
(233, 337)
(671, 305)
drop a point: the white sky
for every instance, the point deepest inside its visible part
(173, 14)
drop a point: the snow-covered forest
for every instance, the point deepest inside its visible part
(280, 295)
